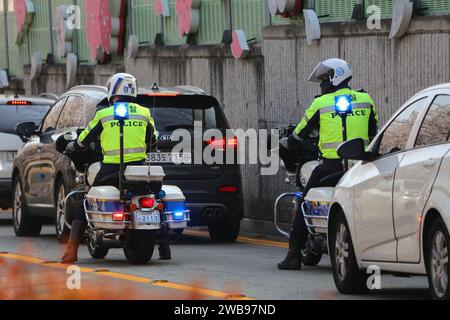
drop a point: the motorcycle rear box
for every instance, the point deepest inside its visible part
(174, 203)
(101, 203)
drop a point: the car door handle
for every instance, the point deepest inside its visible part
(387, 174)
(429, 163)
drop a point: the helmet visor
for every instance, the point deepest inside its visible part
(320, 73)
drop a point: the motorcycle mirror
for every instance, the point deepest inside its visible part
(353, 150)
(70, 136)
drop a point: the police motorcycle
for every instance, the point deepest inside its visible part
(298, 165)
(127, 217)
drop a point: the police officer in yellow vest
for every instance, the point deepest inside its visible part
(334, 76)
(140, 138)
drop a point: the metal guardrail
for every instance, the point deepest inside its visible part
(275, 210)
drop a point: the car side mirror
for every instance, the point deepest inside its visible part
(26, 129)
(354, 149)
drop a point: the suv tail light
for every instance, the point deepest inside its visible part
(228, 189)
(147, 202)
(223, 143)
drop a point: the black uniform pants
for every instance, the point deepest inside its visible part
(299, 231)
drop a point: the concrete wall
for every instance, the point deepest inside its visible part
(269, 88)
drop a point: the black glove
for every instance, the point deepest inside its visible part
(71, 147)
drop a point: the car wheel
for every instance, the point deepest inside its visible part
(348, 278)
(224, 232)
(140, 246)
(24, 223)
(96, 251)
(62, 231)
(437, 264)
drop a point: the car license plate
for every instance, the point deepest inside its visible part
(151, 217)
(167, 157)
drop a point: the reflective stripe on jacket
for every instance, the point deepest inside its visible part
(138, 130)
(330, 123)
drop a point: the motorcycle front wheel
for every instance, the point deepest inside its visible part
(139, 246)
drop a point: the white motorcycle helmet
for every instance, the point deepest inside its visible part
(337, 70)
(122, 85)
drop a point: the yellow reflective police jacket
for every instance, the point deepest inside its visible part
(362, 123)
(139, 133)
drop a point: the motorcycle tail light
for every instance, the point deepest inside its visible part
(160, 206)
(147, 202)
(132, 207)
(179, 215)
(118, 216)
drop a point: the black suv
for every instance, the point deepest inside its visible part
(42, 176)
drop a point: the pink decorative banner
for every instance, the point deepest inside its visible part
(105, 25)
(162, 8)
(188, 12)
(20, 11)
(239, 46)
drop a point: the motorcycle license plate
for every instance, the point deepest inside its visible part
(151, 217)
(167, 157)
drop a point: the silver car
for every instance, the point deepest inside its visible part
(14, 110)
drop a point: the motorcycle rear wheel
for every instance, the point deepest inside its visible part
(139, 246)
(96, 251)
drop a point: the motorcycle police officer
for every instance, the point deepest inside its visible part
(334, 76)
(140, 138)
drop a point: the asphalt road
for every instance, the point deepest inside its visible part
(246, 268)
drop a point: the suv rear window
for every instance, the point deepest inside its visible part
(171, 113)
(12, 115)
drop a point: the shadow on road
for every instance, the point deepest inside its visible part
(5, 222)
(402, 294)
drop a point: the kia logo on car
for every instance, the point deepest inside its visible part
(166, 138)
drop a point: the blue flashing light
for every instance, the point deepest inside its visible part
(343, 104)
(121, 111)
(178, 215)
(161, 194)
(298, 195)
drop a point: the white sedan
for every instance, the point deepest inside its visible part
(391, 210)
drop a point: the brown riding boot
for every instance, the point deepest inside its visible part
(71, 253)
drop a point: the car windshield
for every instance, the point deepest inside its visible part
(11, 115)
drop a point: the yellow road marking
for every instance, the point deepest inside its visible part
(122, 276)
(182, 287)
(263, 242)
